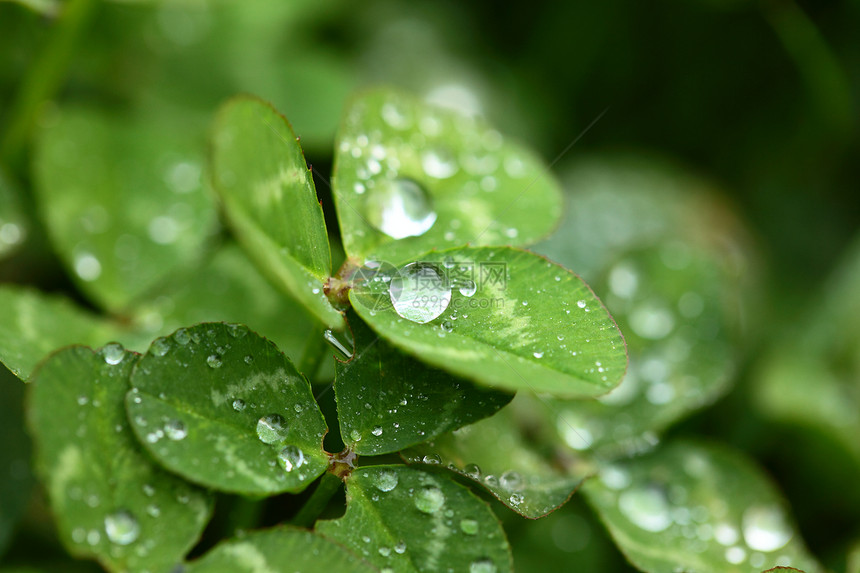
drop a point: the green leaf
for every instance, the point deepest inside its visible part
(13, 222)
(109, 500)
(270, 200)
(696, 507)
(124, 199)
(33, 324)
(410, 177)
(498, 454)
(275, 550)
(387, 400)
(223, 407)
(408, 520)
(16, 481)
(229, 288)
(503, 317)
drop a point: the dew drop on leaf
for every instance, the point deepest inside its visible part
(439, 163)
(122, 527)
(482, 566)
(469, 526)
(291, 458)
(175, 430)
(160, 346)
(468, 288)
(429, 499)
(214, 361)
(419, 292)
(238, 405)
(271, 428)
(400, 208)
(765, 528)
(385, 480)
(113, 353)
(377, 431)
(511, 481)
(646, 507)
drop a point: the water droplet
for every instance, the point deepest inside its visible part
(181, 336)
(329, 337)
(148, 490)
(429, 499)
(400, 548)
(355, 435)
(122, 527)
(238, 405)
(271, 429)
(87, 266)
(473, 471)
(537, 354)
(159, 347)
(447, 326)
(385, 480)
(482, 566)
(646, 507)
(439, 163)
(432, 459)
(469, 526)
(214, 361)
(511, 481)
(377, 431)
(580, 303)
(468, 288)
(400, 208)
(175, 430)
(82, 400)
(291, 458)
(113, 353)
(385, 551)
(765, 528)
(419, 292)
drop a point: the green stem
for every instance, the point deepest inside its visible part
(825, 79)
(312, 355)
(246, 513)
(44, 76)
(314, 506)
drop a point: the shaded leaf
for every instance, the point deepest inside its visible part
(16, 480)
(498, 454)
(410, 177)
(13, 222)
(109, 500)
(270, 200)
(124, 199)
(229, 288)
(387, 400)
(500, 316)
(408, 520)
(223, 407)
(275, 549)
(696, 507)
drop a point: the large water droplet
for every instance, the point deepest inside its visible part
(419, 292)
(122, 527)
(385, 480)
(468, 288)
(113, 353)
(175, 430)
(511, 481)
(291, 458)
(400, 208)
(646, 507)
(482, 566)
(160, 346)
(271, 429)
(377, 431)
(429, 499)
(765, 528)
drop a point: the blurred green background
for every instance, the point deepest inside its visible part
(758, 98)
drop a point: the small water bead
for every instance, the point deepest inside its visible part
(153, 510)
(473, 471)
(214, 361)
(646, 507)
(377, 431)
(400, 208)
(385, 551)
(148, 490)
(419, 292)
(765, 528)
(182, 337)
(482, 566)
(159, 347)
(439, 163)
(537, 354)
(429, 499)
(175, 430)
(271, 428)
(291, 458)
(400, 548)
(238, 405)
(122, 527)
(511, 481)
(82, 400)
(385, 480)
(469, 526)
(581, 303)
(355, 435)
(447, 326)
(113, 353)
(468, 288)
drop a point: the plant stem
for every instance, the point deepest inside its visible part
(318, 501)
(246, 513)
(44, 77)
